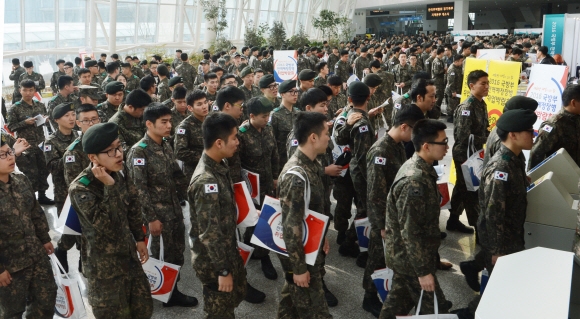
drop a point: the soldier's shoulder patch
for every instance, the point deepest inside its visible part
(47, 148)
(210, 188)
(82, 197)
(297, 182)
(502, 176)
(363, 129)
(294, 142)
(380, 160)
(397, 105)
(547, 128)
(180, 131)
(340, 122)
(215, 108)
(465, 113)
(469, 100)
(415, 191)
(69, 159)
(452, 73)
(243, 129)
(85, 180)
(138, 162)
(142, 145)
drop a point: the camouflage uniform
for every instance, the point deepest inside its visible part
(318, 81)
(384, 159)
(336, 103)
(454, 84)
(75, 160)
(298, 302)
(54, 81)
(56, 100)
(111, 220)
(268, 65)
(429, 64)
(106, 111)
(392, 63)
(282, 122)
(556, 133)
(412, 238)
(424, 58)
(303, 63)
(23, 232)
(136, 70)
(160, 185)
(385, 91)
(256, 64)
(360, 64)
(415, 69)
(163, 91)
(214, 244)
(36, 77)
(188, 144)
(97, 79)
(131, 129)
(438, 75)
(401, 101)
(403, 74)
(176, 119)
(342, 70)
(54, 148)
(255, 91)
(15, 76)
(332, 60)
(35, 168)
(106, 81)
(132, 83)
(470, 118)
(313, 61)
(188, 72)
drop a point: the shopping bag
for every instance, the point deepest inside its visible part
(253, 183)
(340, 152)
(162, 276)
(69, 302)
(382, 131)
(363, 231)
(245, 251)
(473, 167)
(68, 220)
(269, 231)
(383, 280)
(352, 78)
(432, 316)
(247, 215)
(444, 202)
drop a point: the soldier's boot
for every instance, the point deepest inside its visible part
(329, 296)
(453, 224)
(253, 295)
(341, 237)
(268, 269)
(61, 255)
(43, 200)
(362, 258)
(372, 304)
(349, 249)
(181, 300)
(471, 274)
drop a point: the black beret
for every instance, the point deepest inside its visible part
(175, 80)
(260, 104)
(144, 62)
(27, 64)
(517, 120)
(61, 109)
(59, 61)
(364, 49)
(125, 65)
(520, 102)
(114, 87)
(245, 71)
(306, 75)
(266, 80)
(286, 86)
(101, 64)
(358, 88)
(99, 136)
(90, 63)
(372, 80)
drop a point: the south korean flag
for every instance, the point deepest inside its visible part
(69, 159)
(294, 142)
(138, 162)
(380, 160)
(211, 188)
(47, 148)
(180, 131)
(502, 176)
(363, 129)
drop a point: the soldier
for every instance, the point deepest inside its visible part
(338, 100)
(259, 154)
(412, 235)
(136, 67)
(33, 76)
(254, 62)
(129, 118)
(68, 70)
(187, 72)
(470, 118)
(112, 72)
(145, 68)
(163, 91)
(210, 191)
(402, 73)
(384, 159)
(361, 64)
(342, 69)
(78, 65)
(188, 136)
(65, 94)
(385, 89)
(179, 109)
(26, 280)
(333, 58)
(177, 60)
(303, 62)
(149, 85)
(211, 81)
(394, 60)
(322, 69)
(454, 86)
(109, 212)
(314, 58)
(306, 78)
(284, 116)
(91, 65)
(88, 95)
(413, 65)
(560, 130)
(268, 62)
(199, 80)
(373, 81)
(248, 87)
(269, 89)
(56, 75)
(161, 186)
(15, 74)
(132, 79)
(115, 93)
(21, 120)
(438, 70)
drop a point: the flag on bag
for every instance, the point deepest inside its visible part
(352, 78)
(162, 276)
(245, 251)
(383, 280)
(363, 230)
(247, 213)
(69, 303)
(444, 202)
(269, 231)
(68, 221)
(253, 182)
(473, 166)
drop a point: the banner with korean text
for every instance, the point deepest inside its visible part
(471, 64)
(553, 36)
(503, 85)
(547, 83)
(285, 65)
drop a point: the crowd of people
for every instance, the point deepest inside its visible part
(131, 141)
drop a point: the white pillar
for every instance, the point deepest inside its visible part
(93, 25)
(181, 13)
(113, 27)
(461, 15)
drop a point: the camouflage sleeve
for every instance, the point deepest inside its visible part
(72, 169)
(41, 84)
(183, 151)
(342, 133)
(546, 143)
(275, 159)
(495, 192)
(451, 84)
(181, 181)
(292, 201)
(139, 176)
(408, 81)
(235, 167)
(134, 216)
(38, 217)
(362, 142)
(53, 82)
(377, 190)
(54, 162)
(462, 129)
(13, 124)
(289, 148)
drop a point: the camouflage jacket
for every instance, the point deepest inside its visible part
(492, 146)
(188, 144)
(131, 129)
(188, 73)
(106, 111)
(75, 160)
(403, 75)
(163, 91)
(23, 225)
(54, 81)
(386, 88)
(342, 70)
(106, 81)
(470, 118)
(282, 122)
(360, 64)
(503, 202)
(176, 119)
(318, 81)
(412, 220)
(332, 60)
(36, 77)
(303, 63)
(54, 148)
(132, 83)
(392, 63)
(437, 70)
(136, 70)
(20, 112)
(454, 80)
(15, 76)
(255, 91)
(159, 181)
(268, 65)
(336, 103)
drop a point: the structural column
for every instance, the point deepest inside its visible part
(461, 15)
(113, 27)
(93, 24)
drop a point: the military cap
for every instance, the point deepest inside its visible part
(114, 87)
(27, 64)
(90, 63)
(372, 80)
(286, 86)
(358, 88)
(204, 61)
(61, 109)
(520, 102)
(237, 55)
(99, 136)
(59, 61)
(266, 80)
(260, 104)
(364, 49)
(517, 120)
(306, 75)
(144, 62)
(125, 65)
(175, 80)
(221, 62)
(90, 91)
(227, 58)
(247, 70)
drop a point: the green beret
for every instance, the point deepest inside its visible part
(358, 88)
(306, 75)
(266, 80)
(259, 105)
(99, 136)
(364, 49)
(372, 80)
(114, 87)
(517, 120)
(247, 70)
(175, 80)
(286, 86)
(520, 102)
(28, 64)
(61, 109)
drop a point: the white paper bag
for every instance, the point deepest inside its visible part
(473, 167)
(162, 276)
(363, 231)
(383, 280)
(69, 302)
(433, 316)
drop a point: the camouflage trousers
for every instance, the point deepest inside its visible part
(462, 198)
(34, 167)
(173, 233)
(127, 296)
(486, 256)
(32, 290)
(344, 194)
(405, 294)
(452, 103)
(303, 303)
(376, 261)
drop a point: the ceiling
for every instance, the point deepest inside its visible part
(474, 5)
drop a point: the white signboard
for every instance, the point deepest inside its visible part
(285, 65)
(547, 83)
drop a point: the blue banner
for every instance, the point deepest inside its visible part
(553, 33)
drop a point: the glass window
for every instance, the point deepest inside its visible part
(39, 18)
(11, 30)
(126, 17)
(168, 23)
(264, 4)
(147, 27)
(263, 17)
(72, 24)
(190, 12)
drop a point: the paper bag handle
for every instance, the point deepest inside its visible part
(436, 304)
(56, 264)
(161, 252)
(307, 181)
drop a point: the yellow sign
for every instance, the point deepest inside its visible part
(503, 85)
(471, 64)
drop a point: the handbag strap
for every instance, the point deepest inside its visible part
(307, 181)
(161, 251)
(471, 146)
(436, 308)
(56, 263)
